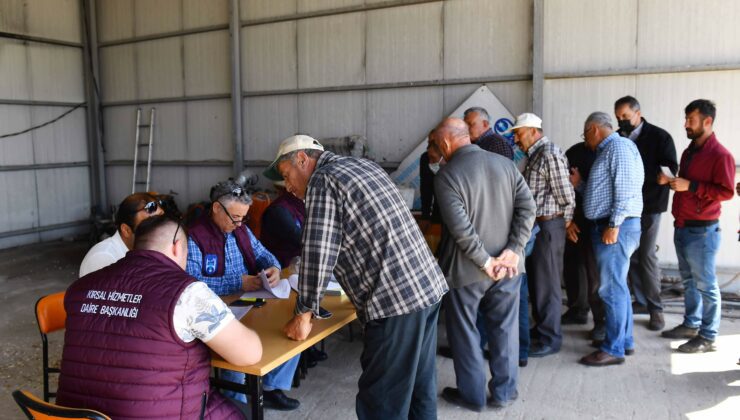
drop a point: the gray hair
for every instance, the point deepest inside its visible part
(312, 153)
(478, 110)
(601, 119)
(229, 191)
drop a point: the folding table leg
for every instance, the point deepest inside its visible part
(254, 387)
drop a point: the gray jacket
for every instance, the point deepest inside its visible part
(486, 207)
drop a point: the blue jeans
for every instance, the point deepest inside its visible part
(524, 319)
(279, 378)
(613, 262)
(696, 248)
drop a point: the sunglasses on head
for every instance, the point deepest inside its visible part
(236, 192)
(150, 207)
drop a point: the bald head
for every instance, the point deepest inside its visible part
(165, 235)
(450, 135)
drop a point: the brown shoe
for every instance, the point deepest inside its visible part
(600, 358)
(657, 322)
(680, 332)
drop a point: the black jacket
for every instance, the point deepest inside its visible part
(657, 149)
(429, 206)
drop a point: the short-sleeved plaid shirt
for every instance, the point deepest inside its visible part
(547, 175)
(359, 229)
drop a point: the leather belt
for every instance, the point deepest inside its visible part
(551, 217)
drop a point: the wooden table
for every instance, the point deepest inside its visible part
(268, 321)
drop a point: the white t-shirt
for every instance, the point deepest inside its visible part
(199, 313)
(103, 254)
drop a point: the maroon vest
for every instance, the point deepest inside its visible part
(121, 353)
(271, 237)
(212, 244)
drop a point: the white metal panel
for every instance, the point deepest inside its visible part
(18, 206)
(199, 13)
(260, 9)
(331, 51)
(584, 35)
(56, 73)
(118, 182)
(200, 181)
(66, 234)
(12, 241)
(117, 73)
(684, 32)
(568, 102)
(14, 83)
(207, 63)
(155, 17)
(515, 96)
(404, 43)
(397, 119)
(119, 123)
(63, 194)
(267, 121)
(115, 19)
(63, 141)
(12, 16)
(209, 130)
(16, 150)
(333, 114)
(159, 68)
(269, 57)
(487, 38)
(170, 137)
(56, 19)
(320, 5)
(167, 180)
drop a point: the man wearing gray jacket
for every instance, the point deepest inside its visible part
(488, 213)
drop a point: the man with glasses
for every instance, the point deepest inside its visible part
(223, 253)
(131, 212)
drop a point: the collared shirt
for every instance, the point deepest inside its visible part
(614, 187)
(103, 254)
(494, 143)
(520, 158)
(231, 281)
(636, 132)
(359, 228)
(547, 175)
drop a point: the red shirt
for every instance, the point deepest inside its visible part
(711, 170)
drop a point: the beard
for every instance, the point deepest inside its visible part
(693, 135)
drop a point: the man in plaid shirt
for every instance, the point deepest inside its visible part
(547, 176)
(359, 229)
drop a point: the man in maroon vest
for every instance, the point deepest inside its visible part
(223, 253)
(138, 335)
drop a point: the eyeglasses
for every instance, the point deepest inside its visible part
(174, 238)
(150, 207)
(236, 222)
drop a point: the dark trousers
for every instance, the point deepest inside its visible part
(398, 379)
(545, 275)
(499, 304)
(580, 273)
(644, 274)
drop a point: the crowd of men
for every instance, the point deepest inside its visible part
(587, 218)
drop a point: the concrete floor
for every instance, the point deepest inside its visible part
(655, 383)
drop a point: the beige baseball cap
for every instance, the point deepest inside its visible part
(291, 144)
(526, 120)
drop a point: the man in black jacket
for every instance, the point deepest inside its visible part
(657, 149)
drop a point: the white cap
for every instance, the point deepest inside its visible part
(526, 120)
(291, 144)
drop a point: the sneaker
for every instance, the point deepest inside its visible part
(697, 344)
(657, 322)
(277, 400)
(680, 331)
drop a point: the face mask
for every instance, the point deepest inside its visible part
(434, 167)
(626, 127)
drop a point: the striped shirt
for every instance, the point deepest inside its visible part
(231, 281)
(547, 175)
(614, 187)
(359, 228)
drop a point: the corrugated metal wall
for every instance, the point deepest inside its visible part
(44, 174)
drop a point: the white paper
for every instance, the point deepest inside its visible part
(240, 311)
(666, 171)
(280, 291)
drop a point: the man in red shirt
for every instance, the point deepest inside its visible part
(705, 178)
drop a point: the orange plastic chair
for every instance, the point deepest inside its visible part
(260, 202)
(50, 316)
(36, 409)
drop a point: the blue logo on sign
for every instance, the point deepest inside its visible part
(502, 125)
(211, 263)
